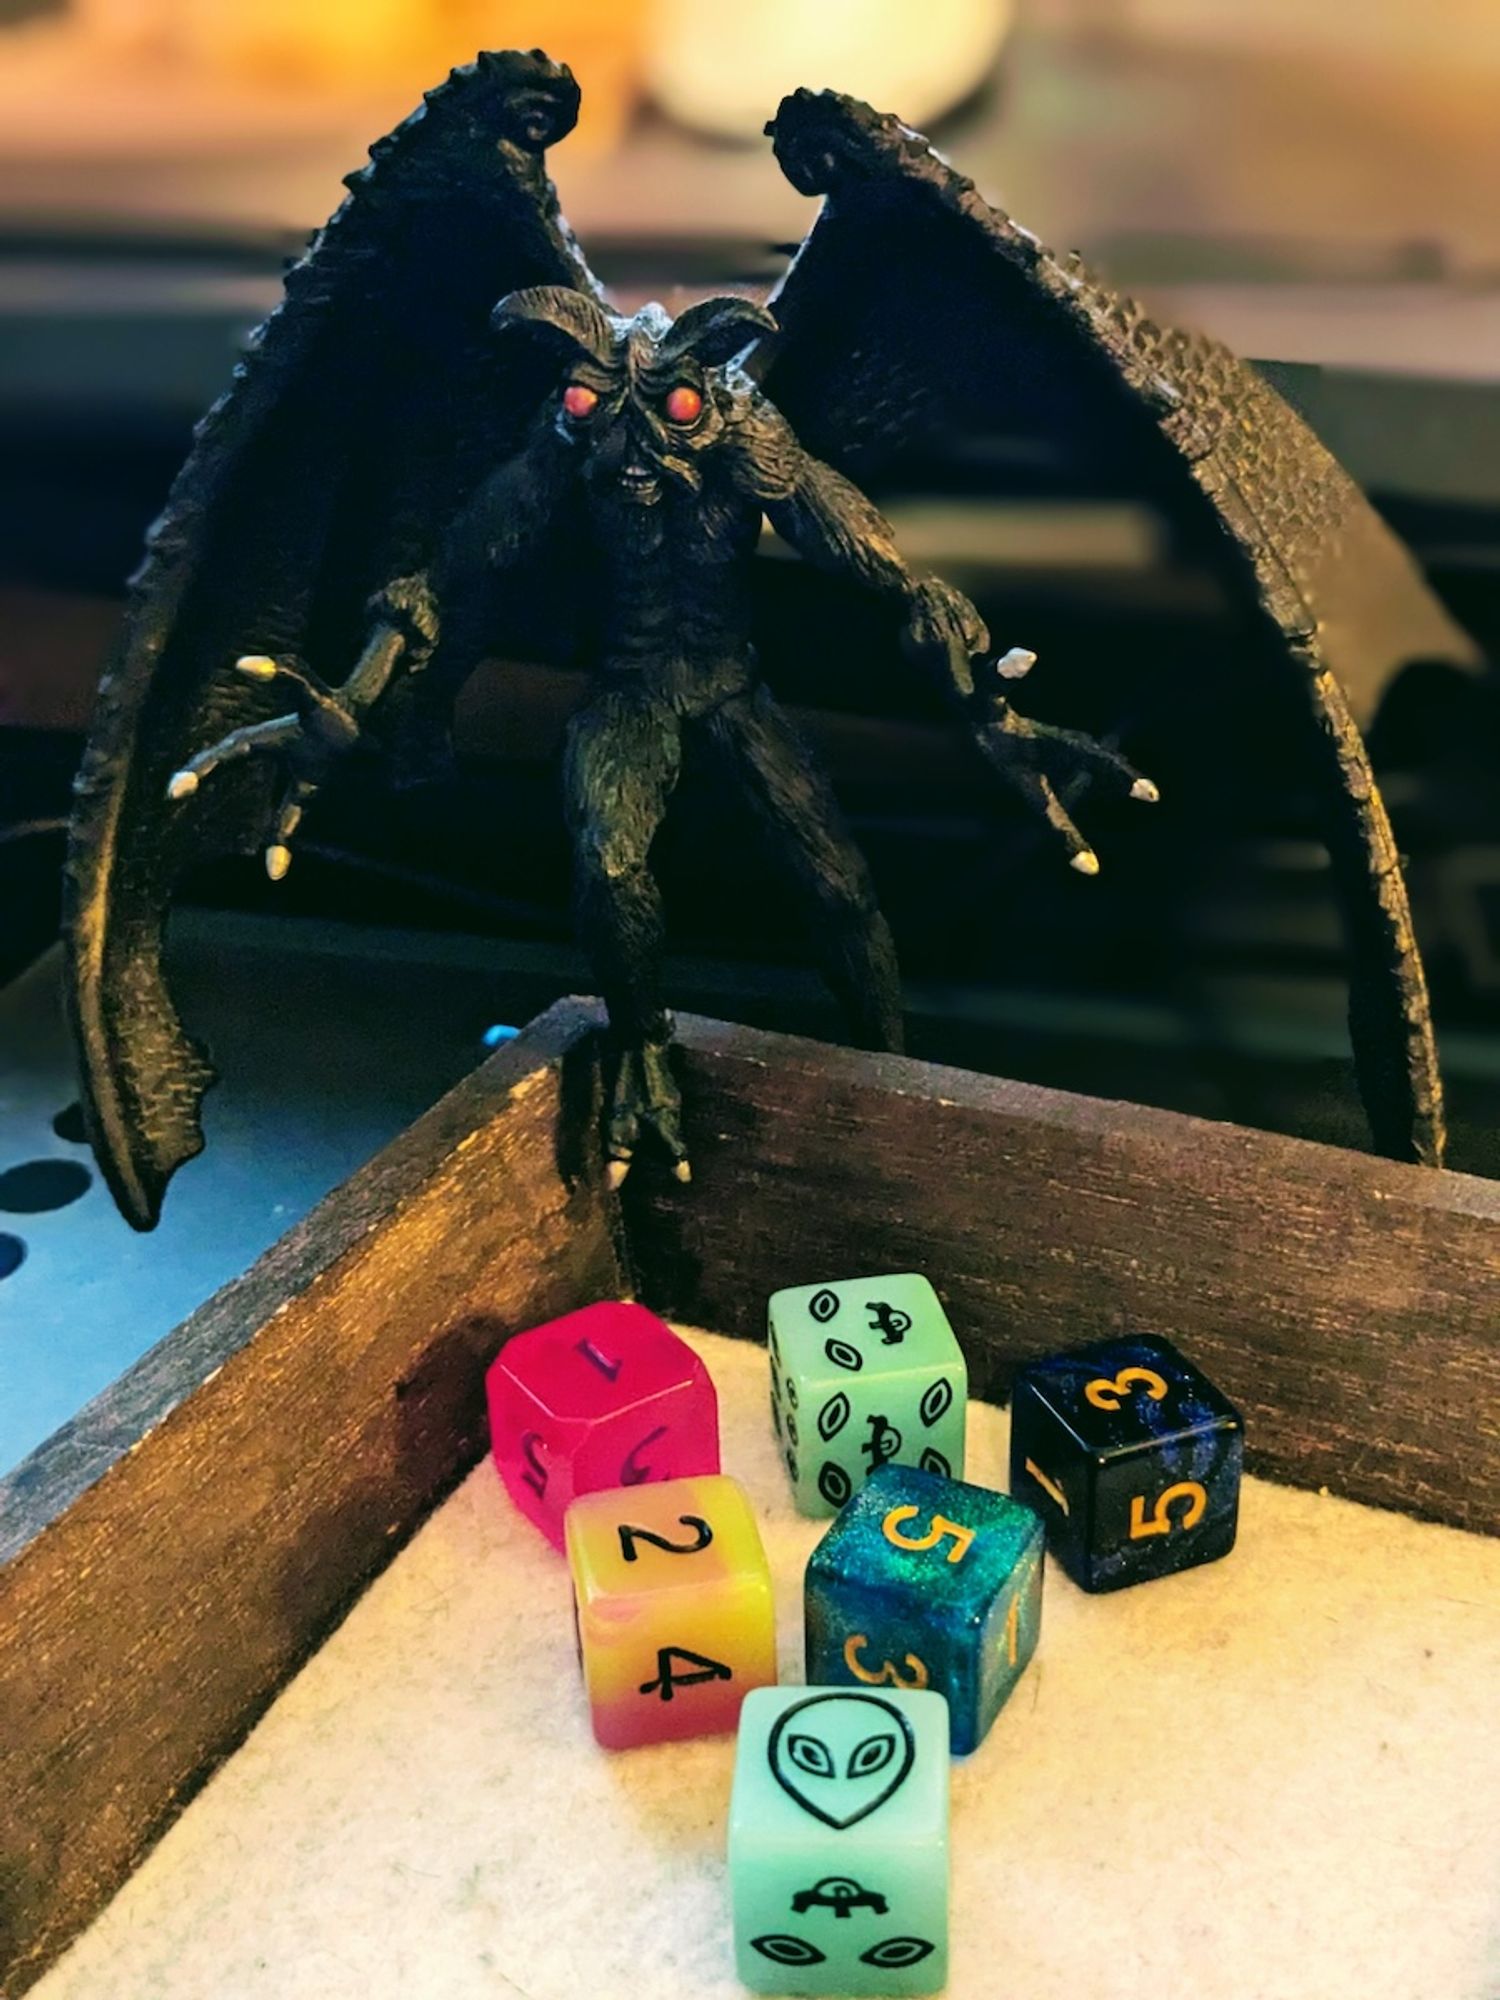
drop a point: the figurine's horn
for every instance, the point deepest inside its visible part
(716, 329)
(568, 320)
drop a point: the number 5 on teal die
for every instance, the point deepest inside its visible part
(865, 1372)
(838, 1841)
(924, 1582)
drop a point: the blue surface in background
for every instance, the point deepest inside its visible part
(331, 1040)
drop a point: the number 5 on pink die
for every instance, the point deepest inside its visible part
(608, 1396)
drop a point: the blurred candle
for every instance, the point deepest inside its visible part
(724, 69)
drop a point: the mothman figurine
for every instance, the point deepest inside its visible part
(443, 438)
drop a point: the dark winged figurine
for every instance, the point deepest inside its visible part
(444, 436)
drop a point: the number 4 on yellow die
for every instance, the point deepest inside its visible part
(676, 1621)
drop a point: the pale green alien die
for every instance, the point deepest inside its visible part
(865, 1372)
(838, 1841)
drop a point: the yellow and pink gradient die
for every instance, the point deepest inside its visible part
(676, 1619)
(608, 1396)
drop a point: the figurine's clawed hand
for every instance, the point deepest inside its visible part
(945, 634)
(322, 729)
(943, 630)
(1037, 761)
(645, 1099)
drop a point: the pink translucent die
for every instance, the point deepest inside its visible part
(604, 1397)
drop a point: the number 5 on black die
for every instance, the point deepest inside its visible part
(1132, 1458)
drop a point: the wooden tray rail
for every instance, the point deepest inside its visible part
(170, 1557)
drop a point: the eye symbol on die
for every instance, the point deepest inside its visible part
(841, 1756)
(823, 1305)
(842, 1355)
(936, 1401)
(896, 1952)
(833, 1416)
(784, 1950)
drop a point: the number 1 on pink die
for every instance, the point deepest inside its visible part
(607, 1396)
(610, 1370)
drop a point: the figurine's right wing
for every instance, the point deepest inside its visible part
(914, 312)
(367, 408)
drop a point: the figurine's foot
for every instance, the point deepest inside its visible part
(645, 1100)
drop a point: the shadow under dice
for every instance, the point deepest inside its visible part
(1132, 1458)
(924, 1582)
(838, 1842)
(676, 1620)
(608, 1396)
(865, 1372)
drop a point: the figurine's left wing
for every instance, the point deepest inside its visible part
(365, 411)
(916, 311)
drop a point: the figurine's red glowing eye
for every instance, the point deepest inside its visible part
(683, 405)
(579, 401)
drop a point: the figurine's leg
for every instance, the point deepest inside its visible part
(795, 803)
(620, 765)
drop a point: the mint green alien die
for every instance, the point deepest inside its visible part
(838, 1841)
(864, 1372)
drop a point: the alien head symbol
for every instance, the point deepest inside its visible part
(841, 1756)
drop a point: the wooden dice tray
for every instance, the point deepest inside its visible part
(170, 1557)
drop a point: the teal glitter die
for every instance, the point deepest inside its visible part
(838, 1841)
(925, 1582)
(865, 1372)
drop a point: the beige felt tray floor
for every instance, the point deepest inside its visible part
(1275, 1776)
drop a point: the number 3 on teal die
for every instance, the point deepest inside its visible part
(924, 1582)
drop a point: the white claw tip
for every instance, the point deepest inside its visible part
(1016, 664)
(257, 666)
(278, 860)
(182, 785)
(683, 1170)
(1087, 863)
(1144, 789)
(614, 1174)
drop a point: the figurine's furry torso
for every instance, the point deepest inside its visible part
(672, 587)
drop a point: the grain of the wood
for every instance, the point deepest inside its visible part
(1350, 1305)
(175, 1554)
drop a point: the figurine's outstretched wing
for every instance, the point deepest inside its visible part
(364, 411)
(914, 308)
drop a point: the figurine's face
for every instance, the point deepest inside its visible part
(646, 415)
(642, 399)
